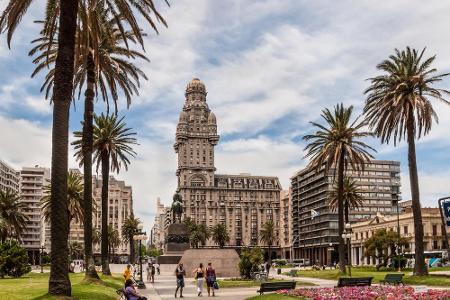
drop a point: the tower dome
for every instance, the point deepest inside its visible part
(195, 86)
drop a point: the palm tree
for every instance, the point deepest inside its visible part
(338, 145)
(112, 149)
(64, 12)
(76, 250)
(398, 107)
(351, 195)
(220, 235)
(267, 236)
(129, 229)
(12, 219)
(95, 237)
(113, 240)
(74, 199)
(104, 68)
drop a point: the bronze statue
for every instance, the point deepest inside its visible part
(177, 208)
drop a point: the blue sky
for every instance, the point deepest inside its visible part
(269, 66)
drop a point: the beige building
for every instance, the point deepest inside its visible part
(9, 178)
(242, 202)
(32, 182)
(160, 225)
(315, 225)
(286, 224)
(120, 197)
(434, 234)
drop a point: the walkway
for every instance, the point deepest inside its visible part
(164, 288)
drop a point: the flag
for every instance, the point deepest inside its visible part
(314, 214)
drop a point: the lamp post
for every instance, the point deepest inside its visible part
(140, 236)
(347, 235)
(40, 258)
(398, 238)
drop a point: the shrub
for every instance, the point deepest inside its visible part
(13, 260)
(250, 261)
(280, 262)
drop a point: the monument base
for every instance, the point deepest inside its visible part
(224, 261)
(169, 259)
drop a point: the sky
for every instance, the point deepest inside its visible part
(270, 67)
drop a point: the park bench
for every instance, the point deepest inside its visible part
(395, 279)
(275, 286)
(354, 281)
(122, 294)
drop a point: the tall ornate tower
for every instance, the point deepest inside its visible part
(195, 139)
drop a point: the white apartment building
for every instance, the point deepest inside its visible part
(9, 178)
(32, 182)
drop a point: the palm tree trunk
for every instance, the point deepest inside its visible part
(340, 195)
(59, 282)
(420, 269)
(105, 182)
(346, 220)
(131, 250)
(88, 141)
(270, 253)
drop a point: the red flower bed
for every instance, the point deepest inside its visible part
(368, 293)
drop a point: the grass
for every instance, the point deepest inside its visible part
(238, 282)
(431, 280)
(273, 297)
(34, 286)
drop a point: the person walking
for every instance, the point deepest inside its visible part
(200, 276)
(150, 273)
(127, 273)
(158, 270)
(210, 279)
(180, 273)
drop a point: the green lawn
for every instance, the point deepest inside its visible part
(33, 286)
(431, 280)
(233, 283)
(273, 297)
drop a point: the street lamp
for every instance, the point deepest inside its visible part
(347, 235)
(140, 236)
(40, 258)
(398, 238)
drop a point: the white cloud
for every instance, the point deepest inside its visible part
(432, 186)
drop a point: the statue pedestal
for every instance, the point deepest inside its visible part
(176, 243)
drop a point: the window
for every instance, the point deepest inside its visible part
(434, 230)
(405, 229)
(435, 244)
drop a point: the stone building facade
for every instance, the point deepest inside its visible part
(160, 225)
(433, 237)
(242, 202)
(9, 178)
(120, 197)
(316, 235)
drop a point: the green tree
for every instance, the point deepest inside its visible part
(154, 252)
(198, 233)
(268, 236)
(381, 246)
(338, 144)
(76, 250)
(95, 237)
(12, 219)
(351, 195)
(113, 240)
(113, 143)
(219, 234)
(129, 229)
(64, 13)
(398, 107)
(74, 197)
(250, 260)
(13, 260)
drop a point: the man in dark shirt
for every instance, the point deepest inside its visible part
(180, 273)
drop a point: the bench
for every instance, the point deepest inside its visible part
(293, 273)
(275, 286)
(354, 281)
(393, 279)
